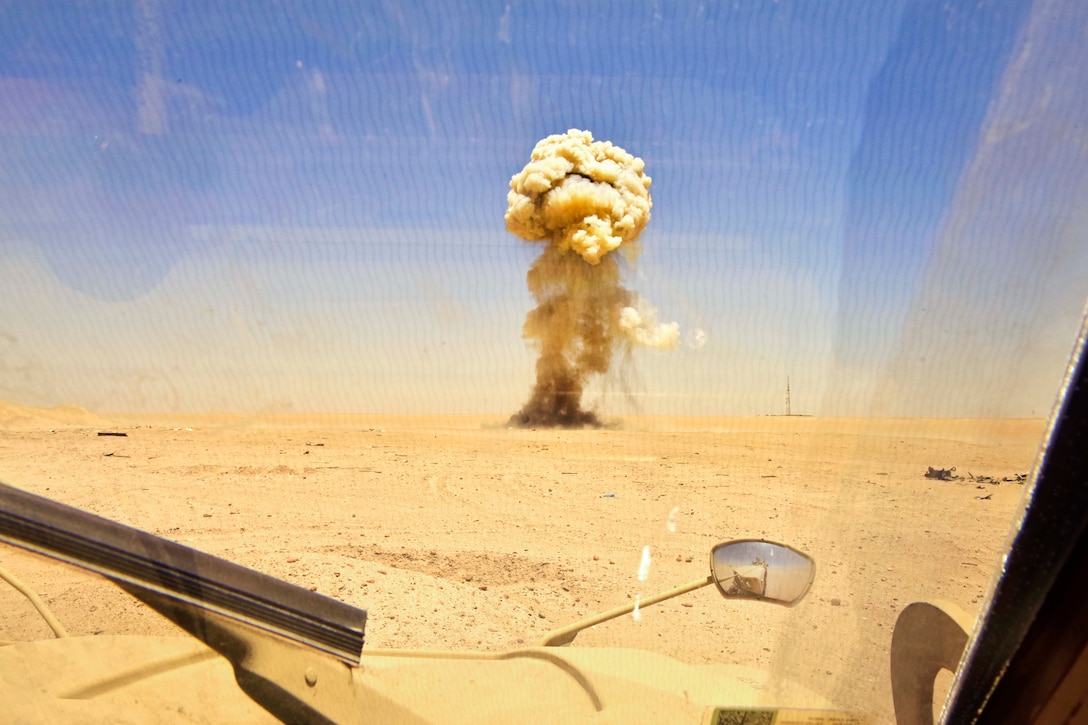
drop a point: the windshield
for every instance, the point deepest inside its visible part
(488, 318)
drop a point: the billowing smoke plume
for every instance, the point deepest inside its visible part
(584, 199)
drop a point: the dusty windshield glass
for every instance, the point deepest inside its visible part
(488, 319)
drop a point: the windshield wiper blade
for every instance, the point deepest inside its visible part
(137, 559)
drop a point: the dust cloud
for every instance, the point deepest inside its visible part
(585, 200)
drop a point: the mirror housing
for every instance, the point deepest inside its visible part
(743, 569)
(761, 570)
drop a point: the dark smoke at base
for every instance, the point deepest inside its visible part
(556, 403)
(576, 326)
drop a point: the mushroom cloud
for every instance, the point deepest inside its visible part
(585, 200)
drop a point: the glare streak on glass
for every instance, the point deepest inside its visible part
(644, 564)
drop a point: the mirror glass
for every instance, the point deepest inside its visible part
(762, 570)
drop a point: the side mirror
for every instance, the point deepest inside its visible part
(762, 570)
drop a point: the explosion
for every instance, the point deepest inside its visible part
(584, 199)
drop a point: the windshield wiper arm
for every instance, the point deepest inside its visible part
(138, 560)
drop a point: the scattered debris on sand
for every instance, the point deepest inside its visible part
(942, 474)
(948, 474)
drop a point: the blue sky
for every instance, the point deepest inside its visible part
(299, 206)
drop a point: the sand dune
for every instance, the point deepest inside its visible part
(24, 417)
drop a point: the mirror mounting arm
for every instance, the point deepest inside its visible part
(565, 635)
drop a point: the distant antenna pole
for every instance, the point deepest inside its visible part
(788, 395)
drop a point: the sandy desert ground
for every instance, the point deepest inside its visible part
(456, 532)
